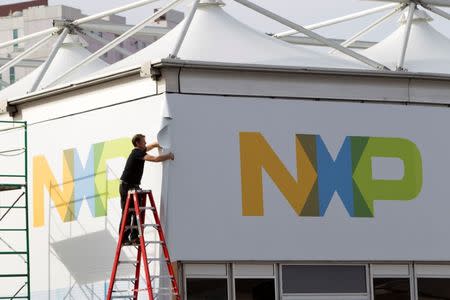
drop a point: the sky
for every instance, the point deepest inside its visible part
(303, 12)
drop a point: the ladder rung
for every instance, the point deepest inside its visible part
(142, 191)
(144, 225)
(164, 294)
(123, 297)
(125, 279)
(13, 275)
(154, 242)
(162, 276)
(13, 253)
(163, 289)
(148, 260)
(130, 262)
(12, 207)
(121, 291)
(143, 208)
(157, 259)
(13, 229)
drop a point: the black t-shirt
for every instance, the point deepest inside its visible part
(134, 168)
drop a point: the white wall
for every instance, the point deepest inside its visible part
(79, 252)
(205, 213)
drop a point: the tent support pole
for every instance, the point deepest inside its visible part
(184, 31)
(117, 41)
(103, 41)
(121, 29)
(23, 55)
(28, 37)
(312, 34)
(112, 12)
(436, 10)
(401, 61)
(369, 28)
(334, 21)
(50, 59)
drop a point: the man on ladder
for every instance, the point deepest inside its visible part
(131, 178)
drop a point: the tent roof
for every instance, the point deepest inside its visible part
(71, 52)
(428, 50)
(216, 36)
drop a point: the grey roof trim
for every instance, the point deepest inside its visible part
(198, 65)
(295, 70)
(72, 87)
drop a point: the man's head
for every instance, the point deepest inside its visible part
(138, 141)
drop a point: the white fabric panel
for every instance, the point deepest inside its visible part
(432, 270)
(70, 53)
(247, 270)
(205, 270)
(428, 50)
(389, 270)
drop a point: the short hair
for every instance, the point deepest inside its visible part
(137, 138)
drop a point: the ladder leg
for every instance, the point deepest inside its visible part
(142, 246)
(137, 273)
(139, 257)
(164, 248)
(119, 248)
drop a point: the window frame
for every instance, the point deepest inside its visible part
(12, 75)
(203, 276)
(393, 274)
(325, 296)
(15, 36)
(273, 276)
(437, 274)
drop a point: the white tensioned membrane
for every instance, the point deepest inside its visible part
(70, 53)
(215, 36)
(428, 50)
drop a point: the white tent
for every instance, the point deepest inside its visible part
(215, 36)
(428, 50)
(71, 52)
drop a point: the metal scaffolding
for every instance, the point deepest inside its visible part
(14, 225)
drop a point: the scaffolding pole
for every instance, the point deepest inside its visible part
(16, 272)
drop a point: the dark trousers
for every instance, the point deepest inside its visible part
(131, 217)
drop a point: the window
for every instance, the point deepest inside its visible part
(12, 75)
(254, 282)
(324, 279)
(206, 281)
(433, 288)
(207, 288)
(15, 36)
(255, 289)
(391, 288)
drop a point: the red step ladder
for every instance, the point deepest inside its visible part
(154, 293)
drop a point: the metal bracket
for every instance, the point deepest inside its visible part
(147, 71)
(12, 110)
(155, 74)
(62, 24)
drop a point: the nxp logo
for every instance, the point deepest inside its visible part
(319, 176)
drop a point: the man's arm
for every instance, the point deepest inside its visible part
(160, 158)
(152, 146)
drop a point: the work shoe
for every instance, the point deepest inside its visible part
(134, 240)
(126, 243)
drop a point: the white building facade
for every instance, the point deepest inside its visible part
(296, 175)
